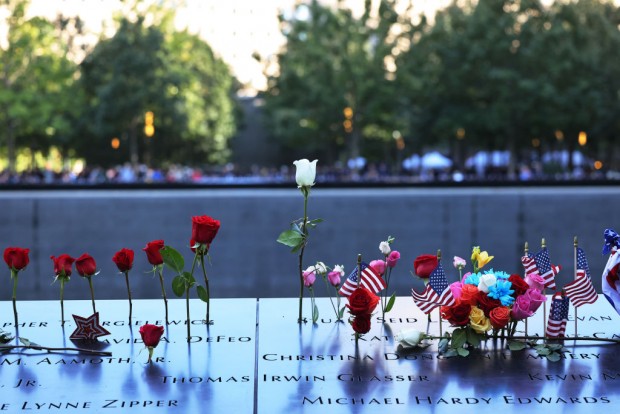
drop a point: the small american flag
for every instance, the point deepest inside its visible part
(558, 315)
(437, 292)
(581, 291)
(545, 268)
(529, 264)
(370, 280)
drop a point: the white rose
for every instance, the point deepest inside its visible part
(410, 338)
(385, 248)
(305, 172)
(321, 268)
(339, 269)
(487, 280)
(310, 269)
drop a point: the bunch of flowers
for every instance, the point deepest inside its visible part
(384, 269)
(486, 303)
(331, 277)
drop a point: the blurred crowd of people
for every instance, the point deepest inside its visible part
(230, 174)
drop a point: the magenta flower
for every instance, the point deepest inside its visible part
(536, 299)
(535, 281)
(309, 276)
(335, 275)
(521, 308)
(378, 266)
(457, 289)
(393, 258)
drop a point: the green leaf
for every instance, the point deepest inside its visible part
(173, 259)
(443, 345)
(516, 345)
(555, 347)
(178, 286)
(5, 337)
(462, 352)
(291, 238)
(543, 351)
(202, 294)
(450, 353)
(313, 223)
(554, 357)
(459, 337)
(24, 341)
(473, 337)
(315, 314)
(341, 312)
(390, 303)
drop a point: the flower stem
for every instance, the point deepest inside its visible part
(50, 349)
(330, 297)
(92, 293)
(128, 294)
(304, 191)
(187, 309)
(62, 304)
(163, 291)
(385, 291)
(14, 275)
(204, 274)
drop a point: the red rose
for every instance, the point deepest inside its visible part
(204, 229)
(123, 259)
(362, 302)
(361, 324)
(457, 315)
(192, 243)
(519, 285)
(487, 303)
(469, 294)
(500, 317)
(424, 265)
(16, 258)
(153, 253)
(151, 334)
(85, 265)
(62, 264)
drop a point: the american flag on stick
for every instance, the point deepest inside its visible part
(529, 264)
(370, 280)
(437, 292)
(545, 268)
(581, 291)
(558, 316)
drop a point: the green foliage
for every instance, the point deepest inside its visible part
(173, 259)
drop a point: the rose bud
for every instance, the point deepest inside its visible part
(393, 258)
(204, 229)
(424, 265)
(85, 265)
(62, 264)
(153, 253)
(123, 259)
(151, 334)
(16, 258)
(362, 302)
(305, 172)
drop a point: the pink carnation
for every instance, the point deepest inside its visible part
(378, 266)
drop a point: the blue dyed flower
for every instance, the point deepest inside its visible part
(501, 290)
(473, 279)
(502, 275)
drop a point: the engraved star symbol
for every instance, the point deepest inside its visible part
(88, 328)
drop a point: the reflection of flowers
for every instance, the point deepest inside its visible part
(151, 335)
(16, 259)
(124, 261)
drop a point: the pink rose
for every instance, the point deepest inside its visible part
(536, 299)
(309, 276)
(535, 281)
(378, 266)
(335, 275)
(521, 308)
(457, 289)
(459, 262)
(393, 258)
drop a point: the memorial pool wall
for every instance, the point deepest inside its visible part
(246, 260)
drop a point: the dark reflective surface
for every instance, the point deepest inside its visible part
(314, 368)
(215, 370)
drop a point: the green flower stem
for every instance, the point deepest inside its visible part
(305, 191)
(62, 304)
(384, 299)
(313, 305)
(128, 294)
(204, 274)
(163, 290)
(187, 287)
(92, 293)
(330, 296)
(14, 277)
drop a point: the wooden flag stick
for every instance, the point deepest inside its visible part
(543, 245)
(359, 269)
(439, 307)
(575, 274)
(526, 250)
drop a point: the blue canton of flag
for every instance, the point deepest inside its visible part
(558, 315)
(545, 268)
(581, 291)
(437, 292)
